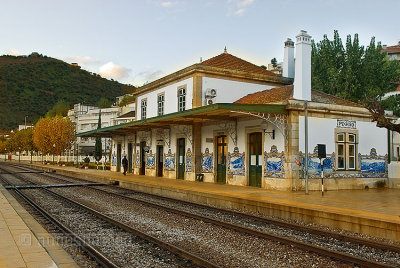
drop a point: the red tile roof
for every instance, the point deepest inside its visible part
(228, 61)
(284, 93)
(391, 49)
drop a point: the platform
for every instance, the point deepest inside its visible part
(24, 242)
(375, 211)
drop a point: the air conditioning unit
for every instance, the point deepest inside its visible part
(209, 102)
(211, 93)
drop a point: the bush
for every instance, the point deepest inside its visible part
(86, 160)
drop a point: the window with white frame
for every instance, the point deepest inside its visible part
(346, 150)
(181, 99)
(160, 104)
(144, 109)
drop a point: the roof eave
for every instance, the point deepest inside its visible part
(232, 107)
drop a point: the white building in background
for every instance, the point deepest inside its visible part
(86, 118)
(226, 120)
(21, 127)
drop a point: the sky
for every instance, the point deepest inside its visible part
(138, 41)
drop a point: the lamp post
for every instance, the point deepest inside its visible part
(25, 120)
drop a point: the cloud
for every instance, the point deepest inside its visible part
(13, 52)
(239, 7)
(147, 76)
(239, 12)
(245, 3)
(114, 71)
(166, 4)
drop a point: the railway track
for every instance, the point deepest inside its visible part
(189, 259)
(348, 258)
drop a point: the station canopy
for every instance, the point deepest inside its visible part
(206, 114)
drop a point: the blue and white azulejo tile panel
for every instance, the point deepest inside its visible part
(236, 163)
(188, 160)
(274, 163)
(169, 162)
(207, 162)
(150, 160)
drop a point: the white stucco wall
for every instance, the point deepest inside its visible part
(170, 101)
(243, 128)
(229, 91)
(322, 131)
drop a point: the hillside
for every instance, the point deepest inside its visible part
(31, 85)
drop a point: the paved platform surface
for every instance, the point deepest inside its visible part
(373, 211)
(23, 242)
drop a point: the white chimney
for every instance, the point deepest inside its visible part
(288, 59)
(302, 80)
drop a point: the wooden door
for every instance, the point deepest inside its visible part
(130, 154)
(255, 159)
(222, 151)
(160, 160)
(181, 158)
(142, 169)
(119, 151)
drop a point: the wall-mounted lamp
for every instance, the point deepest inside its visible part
(271, 133)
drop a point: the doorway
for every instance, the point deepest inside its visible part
(181, 159)
(255, 159)
(119, 157)
(142, 169)
(160, 160)
(222, 151)
(130, 154)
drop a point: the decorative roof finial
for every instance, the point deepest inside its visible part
(225, 51)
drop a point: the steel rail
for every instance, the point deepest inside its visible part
(293, 226)
(90, 250)
(291, 242)
(174, 249)
(320, 250)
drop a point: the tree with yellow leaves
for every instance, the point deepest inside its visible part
(53, 135)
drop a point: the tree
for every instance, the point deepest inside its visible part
(26, 137)
(53, 135)
(104, 103)
(126, 99)
(60, 108)
(274, 62)
(362, 75)
(3, 149)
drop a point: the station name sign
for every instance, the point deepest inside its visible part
(346, 124)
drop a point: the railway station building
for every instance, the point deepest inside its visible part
(226, 120)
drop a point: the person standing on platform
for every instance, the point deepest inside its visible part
(125, 164)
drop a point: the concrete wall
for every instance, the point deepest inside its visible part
(229, 91)
(372, 149)
(322, 131)
(170, 101)
(394, 175)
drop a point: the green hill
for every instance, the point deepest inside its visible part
(31, 85)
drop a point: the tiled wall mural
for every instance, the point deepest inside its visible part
(373, 165)
(150, 160)
(273, 163)
(236, 163)
(137, 159)
(188, 160)
(169, 162)
(369, 166)
(207, 165)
